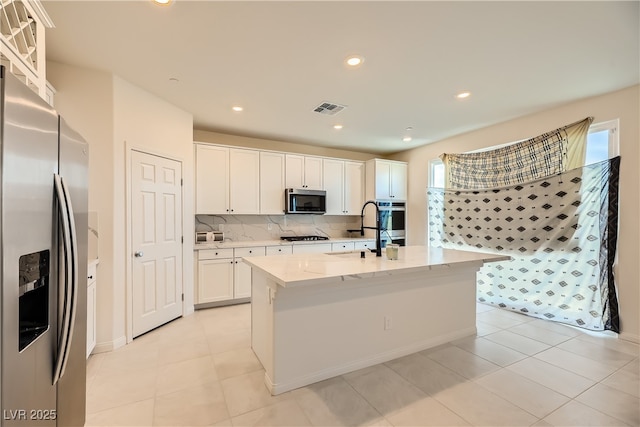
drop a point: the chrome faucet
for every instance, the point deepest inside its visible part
(377, 227)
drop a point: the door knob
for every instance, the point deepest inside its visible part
(138, 254)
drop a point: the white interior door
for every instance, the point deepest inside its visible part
(156, 228)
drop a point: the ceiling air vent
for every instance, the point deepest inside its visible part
(329, 109)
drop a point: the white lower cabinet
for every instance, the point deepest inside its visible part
(364, 244)
(215, 275)
(280, 250)
(342, 246)
(91, 306)
(312, 248)
(222, 276)
(242, 271)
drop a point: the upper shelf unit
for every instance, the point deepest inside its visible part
(22, 29)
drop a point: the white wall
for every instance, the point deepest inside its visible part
(622, 104)
(116, 116)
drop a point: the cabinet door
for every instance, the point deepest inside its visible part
(398, 181)
(271, 183)
(215, 280)
(313, 173)
(212, 179)
(294, 175)
(353, 187)
(242, 271)
(383, 180)
(91, 316)
(241, 279)
(333, 171)
(244, 181)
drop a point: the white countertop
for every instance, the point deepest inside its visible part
(313, 269)
(249, 243)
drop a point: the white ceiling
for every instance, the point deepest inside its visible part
(279, 60)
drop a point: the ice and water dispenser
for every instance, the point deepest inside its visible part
(33, 296)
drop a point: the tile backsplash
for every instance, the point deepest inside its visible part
(272, 227)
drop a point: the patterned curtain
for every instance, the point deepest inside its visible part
(536, 234)
(547, 154)
(561, 232)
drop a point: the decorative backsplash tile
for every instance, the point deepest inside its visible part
(263, 227)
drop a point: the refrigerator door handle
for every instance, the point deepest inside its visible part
(70, 276)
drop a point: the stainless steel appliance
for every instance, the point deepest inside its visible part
(392, 220)
(43, 250)
(301, 201)
(303, 238)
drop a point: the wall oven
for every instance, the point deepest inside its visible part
(392, 220)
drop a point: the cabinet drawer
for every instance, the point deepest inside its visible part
(280, 250)
(215, 253)
(312, 248)
(344, 246)
(246, 252)
(365, 244)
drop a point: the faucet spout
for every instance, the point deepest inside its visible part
(377, 227)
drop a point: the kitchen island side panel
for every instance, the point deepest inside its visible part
(323, 331)
(262, 319)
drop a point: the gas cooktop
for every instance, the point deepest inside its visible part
(301, 238)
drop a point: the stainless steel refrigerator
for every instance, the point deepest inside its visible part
(43, 252)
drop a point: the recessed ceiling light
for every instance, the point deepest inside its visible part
(237, 108)
(463, 95)
(337, 126)
(406, 139)
(162, 2)
(173, 80)
(354, 60)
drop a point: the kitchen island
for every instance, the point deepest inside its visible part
(316, 316)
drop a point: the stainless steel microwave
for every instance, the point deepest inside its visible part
(301, 201)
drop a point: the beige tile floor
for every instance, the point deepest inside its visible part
(518, 371)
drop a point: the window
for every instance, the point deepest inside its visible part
(436, 176)
(602, 142)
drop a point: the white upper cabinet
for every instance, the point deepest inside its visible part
(212, 179)
(344, 183)
(303, 172)
(244, 181)
(227, 180)
(353, 187)
(386, 180)
(271, 183)
(333, 171)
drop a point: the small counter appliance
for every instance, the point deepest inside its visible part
(209, 236)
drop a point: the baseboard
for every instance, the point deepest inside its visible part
(354, 365)
(104, 347)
